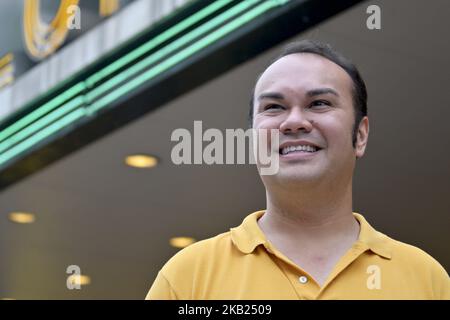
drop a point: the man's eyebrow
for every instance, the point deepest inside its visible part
(319, 91)
(310, 93)
(271, 95)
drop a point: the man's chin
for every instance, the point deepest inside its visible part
(295, 176)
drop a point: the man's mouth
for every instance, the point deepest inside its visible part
(299, 148)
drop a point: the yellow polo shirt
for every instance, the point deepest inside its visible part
(242, 264)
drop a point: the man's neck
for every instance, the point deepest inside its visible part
(313, 229)
(310, 216)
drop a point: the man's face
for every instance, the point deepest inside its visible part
(309, 100)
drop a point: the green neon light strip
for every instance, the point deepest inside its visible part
(36, 114)
(41, 123)
(41, 135)
(76, 89)
(186, 39)
(182, 55)
(166, 35)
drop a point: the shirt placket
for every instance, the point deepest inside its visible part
(302, 282)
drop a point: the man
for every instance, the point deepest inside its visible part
(308, 243)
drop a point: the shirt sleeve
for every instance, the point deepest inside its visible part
(161, 289)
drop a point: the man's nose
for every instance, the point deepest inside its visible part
(296, 121)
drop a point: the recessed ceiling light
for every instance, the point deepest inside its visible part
(22, 217)
(181, 242)
(80, 279)
(141, 161)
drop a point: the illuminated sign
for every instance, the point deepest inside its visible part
(6, 70)
(42, 39)
(48, 60)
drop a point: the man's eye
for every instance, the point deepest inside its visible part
(320, 103)
(272, 107)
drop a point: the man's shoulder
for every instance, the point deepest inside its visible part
(415, 257)
(205, 246)
(402, 255)
(200, 254)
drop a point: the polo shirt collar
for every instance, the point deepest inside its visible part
(248, 236)
(374, 240)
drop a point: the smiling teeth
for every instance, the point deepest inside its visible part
(289, 149)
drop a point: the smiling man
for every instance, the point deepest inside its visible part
(308, 243)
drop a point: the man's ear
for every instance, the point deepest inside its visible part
(362, 137)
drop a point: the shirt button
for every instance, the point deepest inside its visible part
(303, 279)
